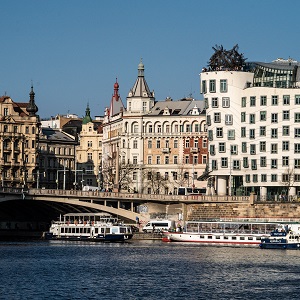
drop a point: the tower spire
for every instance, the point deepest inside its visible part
(31, 108)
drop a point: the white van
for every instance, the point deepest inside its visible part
(90, 188)
(158, 225)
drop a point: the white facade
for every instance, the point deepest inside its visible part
(253, 123)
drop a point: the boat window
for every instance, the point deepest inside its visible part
(77, 229)
(225, 237)
(122, 229)
(234, 237)
(107, 230)
(258, 238)
(201, 236)
(96, 230)
(102, 230)
(209, 237)
(250, 238)
(62, 230)
(242, 238)
(218, 237)
(88, 230)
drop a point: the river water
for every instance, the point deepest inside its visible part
(145, 270)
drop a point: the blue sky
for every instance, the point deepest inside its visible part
(73, 50)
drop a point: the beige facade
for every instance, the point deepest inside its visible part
(89, 153)
(19, 131)
(160, 145)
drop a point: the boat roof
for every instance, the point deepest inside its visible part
(100, 214)
(248, 221)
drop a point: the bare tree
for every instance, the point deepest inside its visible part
(126, 175)
(155, 181)
(182, 176)
(288, 179)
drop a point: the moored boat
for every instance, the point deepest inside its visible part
(285, 236)
(96, 227)
(234, 232)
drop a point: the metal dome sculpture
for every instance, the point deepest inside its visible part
(226, 59)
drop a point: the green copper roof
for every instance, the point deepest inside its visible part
(87, 118)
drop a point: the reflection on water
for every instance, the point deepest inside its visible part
(145, 270)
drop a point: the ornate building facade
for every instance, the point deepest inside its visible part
(160, 145)
(19, 137)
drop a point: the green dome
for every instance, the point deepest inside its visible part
(87, 118)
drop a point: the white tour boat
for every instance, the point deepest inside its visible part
(235, 232)
(89, 227)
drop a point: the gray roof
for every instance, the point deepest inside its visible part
(56, 135)
(179, 107)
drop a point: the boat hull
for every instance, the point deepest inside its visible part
(98, 238)
(214, 239)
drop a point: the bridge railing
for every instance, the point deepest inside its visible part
(137, 196)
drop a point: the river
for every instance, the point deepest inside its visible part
(145, 270)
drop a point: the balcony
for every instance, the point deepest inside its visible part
(194, 150)
(166, 150)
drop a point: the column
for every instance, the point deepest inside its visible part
(221, 185)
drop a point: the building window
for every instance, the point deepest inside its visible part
(135, 144)
(244, 99)
(224, 162)
(212, 86)
(175, 159)
(214, 102)
(217, 117)
(226, 102)
(252, 119)
(195, 159)
(175, 143)
(274, 148)
(247, 179)
(134, 160)
(244, 147)
(208, 120)
(297, 117)
(233, 149)
(297, 132)
(188, 128)
(204, 159)
(214, 164)
(159, 128)
(219, 132)
(149, 144)
(231, 134)
(243, 117)
(210, 135)
(204, 143)
(135, 128)
(274, 177)
(253, 164)
(254, 178)
(297, 164)
(203, 87)
(187, 159)
(144, 106)
(285, 130)
(245, 162)
(167, 160)
(263, 115)
(236, 164)
(90, 156)
(196, 143)
(150, 128)
(274, 133)
(187, 143)
(274, 100)
(212, 150)
(263, 100)
(262, 130)
(149, 159)
(222, 147)
(286, 100)
(296, 148)
(158, 160)
(5, 111)
(158, 144)
(285, 146)
(273, 163)
(285, 161)
(263, 178)
(223, 87)
(243, 131)
(274, 118)
(262, 146)
(228, 119)
(134, 175)
(297, 99)
(263, 161)
(252, 134)
(252, 101)
(252, 149)
(206, 105)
